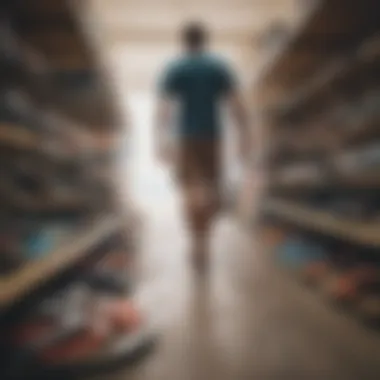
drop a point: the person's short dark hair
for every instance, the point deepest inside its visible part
(195, 35)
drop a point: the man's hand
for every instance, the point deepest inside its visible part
(165, 149)
(244, 149)
(166, 153)
(240, 115)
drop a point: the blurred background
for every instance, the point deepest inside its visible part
(94, 274)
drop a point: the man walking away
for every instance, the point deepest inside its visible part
(198, 83)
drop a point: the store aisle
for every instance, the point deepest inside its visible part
(247, 320)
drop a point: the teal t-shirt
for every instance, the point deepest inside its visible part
(198, 82)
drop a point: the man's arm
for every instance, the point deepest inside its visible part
(162, 124)
(241, 119)
(232, 94)
(167, 90)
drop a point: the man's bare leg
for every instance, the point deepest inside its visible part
(201, 206)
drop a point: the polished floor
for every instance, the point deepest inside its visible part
(247, 319)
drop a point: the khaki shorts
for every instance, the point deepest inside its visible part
(199, 162)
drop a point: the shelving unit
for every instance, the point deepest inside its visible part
(325, 222)
(29, 277)
(319, 101)
(62, 223)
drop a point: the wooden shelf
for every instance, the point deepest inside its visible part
(297, 183)
(333, 27)
(334, 72)
(22, 139)
(365, 130)
(272, 65)
(321, 221)
(21, 202)
(357, 180)
(41, 25)
(33, 275)
(339, 71)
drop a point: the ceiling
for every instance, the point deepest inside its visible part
(139, 36)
